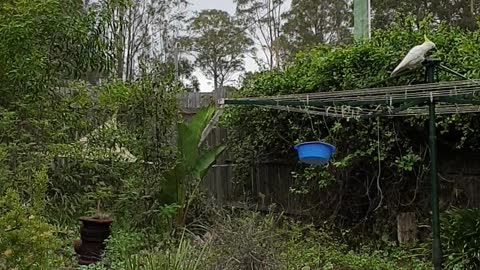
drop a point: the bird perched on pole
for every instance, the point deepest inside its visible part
(414, 57)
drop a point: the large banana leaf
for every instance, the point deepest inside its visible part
(187, 148)
(171, 188)
(206, 161)
(200, 120)
(189, 135)
(190, 165)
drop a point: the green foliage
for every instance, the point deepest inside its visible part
(126, 155)
(266, 31)
(459, 13)
(461, 238)
(313, 174)
(34, 36)
(237, 239)
(184, 256)
(273, 241)
(312, 22)
(26, 241)
(192, 165)
(219, 44)
(58, 144)
(66, 154)
(375, 159)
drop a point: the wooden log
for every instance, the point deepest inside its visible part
(406, 228)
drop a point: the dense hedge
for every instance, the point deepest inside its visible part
(358, 183)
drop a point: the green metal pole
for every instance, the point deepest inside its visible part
(361, 19)
(436, 245)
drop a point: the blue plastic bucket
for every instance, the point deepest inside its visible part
(315, 153)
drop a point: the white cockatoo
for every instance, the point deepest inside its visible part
(414, 57)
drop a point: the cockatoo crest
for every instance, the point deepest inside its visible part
(428, 43)
(426, 38)
(415, 56)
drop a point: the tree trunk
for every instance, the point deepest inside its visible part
(469, 17)
(129, 43)
(215, 80)
(120, 43)
(406, 228)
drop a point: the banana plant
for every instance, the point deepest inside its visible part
(192, 164)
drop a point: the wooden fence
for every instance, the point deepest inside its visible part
(268, 184)
(196, 100)
(271, 183)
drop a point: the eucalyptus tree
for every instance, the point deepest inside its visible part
(263, 21)
(463, 13)
(143, 33)
(219, 45)
(312, 22)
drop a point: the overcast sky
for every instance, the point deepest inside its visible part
(229, 6)
(226, 5)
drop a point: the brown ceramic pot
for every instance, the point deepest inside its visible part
(93, 233)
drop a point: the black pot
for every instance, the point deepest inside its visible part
(93, 233)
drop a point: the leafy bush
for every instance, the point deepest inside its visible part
(182, 182)
(244, 241)
(26, 241)
(375, 159)
(249, 240)
(127, 251)
(309, 247)
(43, 42)
(241, 240)
(461, 238)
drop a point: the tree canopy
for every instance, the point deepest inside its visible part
(458, 13)
(390, 151)
(43, 44)
(312, 22)
(263, 21)
(219, 45)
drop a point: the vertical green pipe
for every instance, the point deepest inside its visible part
(361, 19)
(436, 245)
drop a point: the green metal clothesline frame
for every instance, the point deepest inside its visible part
(463, 95)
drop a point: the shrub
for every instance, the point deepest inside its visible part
(251, 240)
(395, 155)
(26, 242)
(315, 248)
(245, 241)
(238, 240)
(461, 238)
(126, 251)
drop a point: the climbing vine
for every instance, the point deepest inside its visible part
(380, 164)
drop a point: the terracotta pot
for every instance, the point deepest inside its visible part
(93, 233)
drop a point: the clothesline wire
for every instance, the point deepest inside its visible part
(405, 92)
(350, 113)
